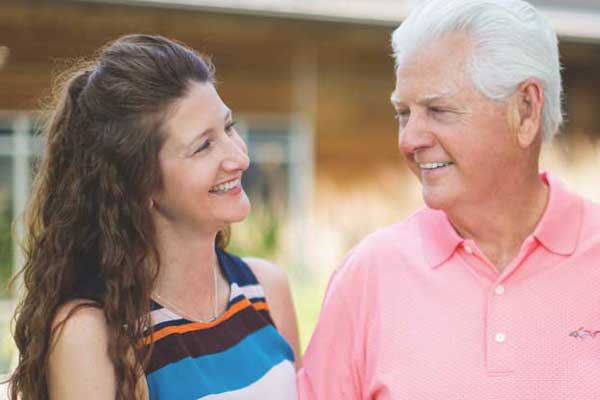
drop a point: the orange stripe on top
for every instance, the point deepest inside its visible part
(196, 326)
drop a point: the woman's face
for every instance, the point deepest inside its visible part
(202, 161)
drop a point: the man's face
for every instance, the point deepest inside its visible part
(457, 142)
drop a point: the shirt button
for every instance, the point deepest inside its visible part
(499, 290)
(500, 337)
(468, 249)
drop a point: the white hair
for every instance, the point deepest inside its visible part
(511, 41)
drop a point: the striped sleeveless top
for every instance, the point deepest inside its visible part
(240, 355)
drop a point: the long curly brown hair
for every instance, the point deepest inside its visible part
(90, 234)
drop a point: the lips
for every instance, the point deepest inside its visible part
(225, 186)
(434, 165)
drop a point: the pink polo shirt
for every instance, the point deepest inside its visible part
(416, 312)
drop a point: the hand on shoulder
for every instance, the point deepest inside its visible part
(275, 283)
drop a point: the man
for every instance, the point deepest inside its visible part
(492, 291)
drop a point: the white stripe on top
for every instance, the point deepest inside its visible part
(280, 379)
(249, 291)
(163, 315)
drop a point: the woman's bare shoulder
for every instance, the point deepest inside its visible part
(269, 274)
(79, 364)
(277, 290)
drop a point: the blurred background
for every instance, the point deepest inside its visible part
(309, 82)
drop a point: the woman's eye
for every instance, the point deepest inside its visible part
(229, 127)
(204, 146)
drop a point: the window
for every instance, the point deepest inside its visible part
(18, 149)
(279, 185)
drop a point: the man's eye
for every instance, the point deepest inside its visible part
(401, 114)
(437, 110)
(229, 127)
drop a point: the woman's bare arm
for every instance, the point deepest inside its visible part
(79, 366)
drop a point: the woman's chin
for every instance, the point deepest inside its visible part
(238, 215)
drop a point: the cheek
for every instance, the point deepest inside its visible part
(495, 118)
(241, 143)
(172, 177)
(178, 181)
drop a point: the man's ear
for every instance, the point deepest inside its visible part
(527, 111)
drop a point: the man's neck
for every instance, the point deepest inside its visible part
(500, 224)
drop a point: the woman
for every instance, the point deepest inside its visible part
(130, 293)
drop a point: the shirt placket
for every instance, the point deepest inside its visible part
(498, 328)
(499, 337)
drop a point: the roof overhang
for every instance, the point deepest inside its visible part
(572, 24)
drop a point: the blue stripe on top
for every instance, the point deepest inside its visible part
(233, 355)
(235, 368)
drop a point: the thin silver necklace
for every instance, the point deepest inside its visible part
(185, 315)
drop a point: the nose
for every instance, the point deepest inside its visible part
(414, 135)
(236, 157)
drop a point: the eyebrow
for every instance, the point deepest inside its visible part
(425, 100)
(228, 116)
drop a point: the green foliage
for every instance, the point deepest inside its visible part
(7, 348)
(258, 235)
(6, 246)
(308, 296)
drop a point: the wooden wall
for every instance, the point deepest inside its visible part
(355, 133)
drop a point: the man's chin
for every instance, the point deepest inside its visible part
(436, 199)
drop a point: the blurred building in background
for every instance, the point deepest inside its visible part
(309, 84)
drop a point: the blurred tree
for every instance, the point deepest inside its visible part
(6, 245)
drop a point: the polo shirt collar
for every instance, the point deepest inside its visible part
(560, 226)
(558, 229)
(439, 238)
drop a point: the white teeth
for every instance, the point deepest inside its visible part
(223, 187)
(434, 165)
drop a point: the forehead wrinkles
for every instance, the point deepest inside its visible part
(439, 67)
(424, 88)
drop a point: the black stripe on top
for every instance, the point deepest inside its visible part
(176, 346)
(235, 269)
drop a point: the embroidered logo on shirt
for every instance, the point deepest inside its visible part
(583, 333)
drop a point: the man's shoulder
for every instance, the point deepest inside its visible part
(573, 205)
(591, 209)
(399, 233)
(392, 242)
(590, 219)
(576, 215)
